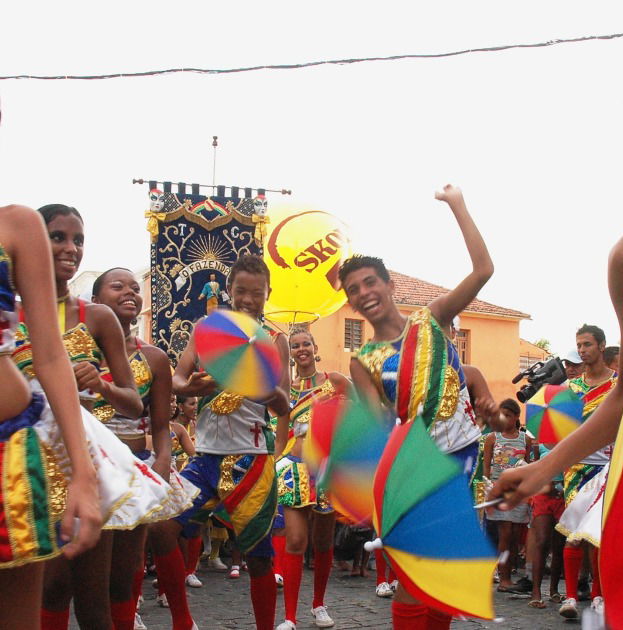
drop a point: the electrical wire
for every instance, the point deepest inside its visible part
(310, 64)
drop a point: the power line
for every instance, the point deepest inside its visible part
(310, 64)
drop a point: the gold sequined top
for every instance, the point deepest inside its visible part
(78, 341)
(434, 353)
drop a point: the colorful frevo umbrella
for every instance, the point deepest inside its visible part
(428, 529)
(343, 447)
(325, 415)
(238, 353)
(553, 412)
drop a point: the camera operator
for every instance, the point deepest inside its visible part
(592, 386)
(574, 366)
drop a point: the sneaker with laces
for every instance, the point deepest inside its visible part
(598, 605)
(161, 600)
(394, 585)
(286, 625)
(384, 590)
(216, 564)
(138, 623)
(234, 572)
(569, 609)
(321, 617)
(279, 580)
(193, 581)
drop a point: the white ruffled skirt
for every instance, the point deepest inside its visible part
(130, 493)
(582, 518)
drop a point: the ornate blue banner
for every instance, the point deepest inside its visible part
(195, 241)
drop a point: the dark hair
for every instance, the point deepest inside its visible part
(97, 285)
(354, 263)
(299, 329)
(511, 405)
(251, 264)
(610, 353)
(598, 333)
(54, 209)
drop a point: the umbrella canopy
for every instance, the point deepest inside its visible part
(553, 412)
(238, 353)
(424, 516)
(356, 438)
(325, 416)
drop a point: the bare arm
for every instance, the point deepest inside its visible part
(185, 441)
(284, 354)
(342, 385)
(35, 282)
(160, 408)
(446, 307)
(187, 380)
(598, 431)
(528, 449)
(121, 392)
(479, 392)
(487, 455)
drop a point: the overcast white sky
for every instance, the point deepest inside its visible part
(532, 136)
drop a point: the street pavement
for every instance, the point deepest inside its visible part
(224, 604)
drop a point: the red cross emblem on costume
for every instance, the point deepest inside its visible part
(257, 431)
(469, 410)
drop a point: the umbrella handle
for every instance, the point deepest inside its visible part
(489, 503)
(372, 545)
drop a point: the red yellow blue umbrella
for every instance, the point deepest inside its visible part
(357, 438)
(427, 526)
(553, 412)
(238, 353)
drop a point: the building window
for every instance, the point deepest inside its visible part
(353, 334)
(461, 341)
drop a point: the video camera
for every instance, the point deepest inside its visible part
(551, 372)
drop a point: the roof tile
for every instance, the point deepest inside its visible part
(415, 292)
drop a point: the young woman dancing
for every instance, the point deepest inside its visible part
(91, 334)
(297, 492)
(118, 289)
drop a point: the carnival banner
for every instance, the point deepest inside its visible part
(194, 242)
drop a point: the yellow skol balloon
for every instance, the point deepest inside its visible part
(304, 251)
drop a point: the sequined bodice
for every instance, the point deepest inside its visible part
(425, 363)
(8, 319)
(78, 342)
(382, 361)
(301, 400)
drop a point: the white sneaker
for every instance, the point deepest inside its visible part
(321, 617)
(161, 600)
(279, 580)
(598, 605)
(138, 623)
(193, 581)
(394, 585)
(384, 590)
(216, 564)
(569, 609)
(286, 625)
